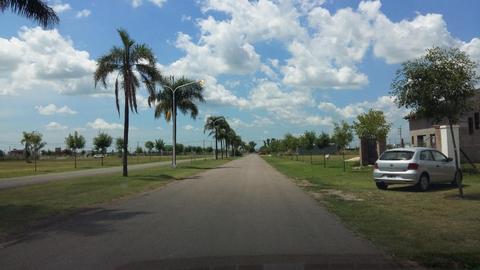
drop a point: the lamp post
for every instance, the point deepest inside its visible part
(174, 116)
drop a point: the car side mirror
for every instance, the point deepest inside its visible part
(448, 159)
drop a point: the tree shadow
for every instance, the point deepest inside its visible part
(468, 197)
(432, 188)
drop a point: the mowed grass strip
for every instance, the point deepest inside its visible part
(26, 207)
(434, 228)
(14, 168)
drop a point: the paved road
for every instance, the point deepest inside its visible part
(14, 182)
(244, 213)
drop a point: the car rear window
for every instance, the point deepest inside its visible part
(397, 155)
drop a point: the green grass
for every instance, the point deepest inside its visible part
(434, 228)
(26, 207)
(14, 168)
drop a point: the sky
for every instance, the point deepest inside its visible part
(270, 66)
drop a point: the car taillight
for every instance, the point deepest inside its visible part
(412, 166)
(375, 166)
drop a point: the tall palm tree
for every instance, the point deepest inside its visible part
(132, 63)
(36, 10)
(184, 93)
(212, 124)
(222, 134)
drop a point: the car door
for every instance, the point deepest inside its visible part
(428, 163)
(446, 169)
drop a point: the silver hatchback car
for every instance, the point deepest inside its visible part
(418, 166)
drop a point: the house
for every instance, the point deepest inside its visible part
(427, 132)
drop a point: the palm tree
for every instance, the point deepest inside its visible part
(128, 63)
(36, 10)
(222, 134)
(213, 123)
(181, 94)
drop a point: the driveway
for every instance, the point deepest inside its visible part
(242, 215)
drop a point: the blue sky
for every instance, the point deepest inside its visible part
(271, 67)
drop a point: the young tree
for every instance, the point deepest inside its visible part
(149, 145)
(323, 140)
(307, 140)
(75, 142)
(102, 142)
(438, 86)
(291, 142)
(133, 64)
(119, 145)
(159, 146)
(251, 146)
(371, 124)
(33, 143)
(342, 136)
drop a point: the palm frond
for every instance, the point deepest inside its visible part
(36, 10)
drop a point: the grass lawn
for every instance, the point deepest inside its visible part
(13, 168)
(434, 228)
(26, 207)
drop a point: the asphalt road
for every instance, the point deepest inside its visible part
(20, 181)
(242, 215)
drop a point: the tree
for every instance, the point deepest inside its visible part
(149, 145)
(438, 86)
(128, 63)
(102, 142)
(159, 145)
(36, 10)
(323, 140)
(212, 124)
(291, 142)
(251, 146)
(307, 140)
(342, 136)
(138, 150)
(119, 145)
(75, 142)
(371, 124)
(33, 143)
(184, 93)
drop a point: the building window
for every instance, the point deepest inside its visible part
(477, 120)
(470, 125)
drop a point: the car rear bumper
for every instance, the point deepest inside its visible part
(407, 177)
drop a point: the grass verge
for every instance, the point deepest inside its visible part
(434, 228)
(25, 208)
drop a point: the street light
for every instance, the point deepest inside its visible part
(174, 113)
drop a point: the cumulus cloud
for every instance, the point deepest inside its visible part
(158, 3)
(55, 126)
(188, 127)
(83, 13)
(41, 59)
(52, 109)
(101, 124)
(60, 7)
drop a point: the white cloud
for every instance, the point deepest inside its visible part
(188, 127)
(51, 109)
(44, 60)
(99, 123)
(158, 3)
(83, 13)
(55, 126)
(59, 7)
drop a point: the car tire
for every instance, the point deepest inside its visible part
(423, 183)
(457, 181)
(381, 185)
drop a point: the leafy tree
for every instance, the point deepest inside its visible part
(291, 142)
(149, 145)
(307, 140)
(438, 86)
(371, 124)
(159, 145)
(323, 140)
(119, 145)
(36, 10)
(187, 92)
(33, 143)
(133, 63)
(342, 136)
(75, 142)
(102, 142)
(251, 146)
(213, 124)
(138, 150)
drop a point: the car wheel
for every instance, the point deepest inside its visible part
(381, 185)
(457, 181)
(423, 183)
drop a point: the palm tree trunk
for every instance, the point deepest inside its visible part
(457, 165)
(125, 138)
(75, 156)
(216, 146)
(221, 147)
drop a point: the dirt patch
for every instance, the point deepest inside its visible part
(319, 195)
(304, 183)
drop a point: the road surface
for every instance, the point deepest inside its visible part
(242, 215)
(28, 180)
